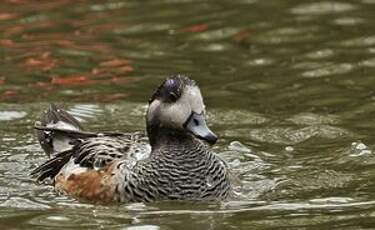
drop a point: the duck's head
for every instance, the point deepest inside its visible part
(177, 107)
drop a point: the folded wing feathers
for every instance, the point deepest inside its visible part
(52, 167)
(48, 126)
(57, 131)
(60, 134)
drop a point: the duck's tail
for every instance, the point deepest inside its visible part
(58, 133)
(54, 130)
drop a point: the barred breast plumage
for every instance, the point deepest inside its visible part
(170, 175)
(172, 162)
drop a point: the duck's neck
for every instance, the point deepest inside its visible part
(167, 136)
(181, 148)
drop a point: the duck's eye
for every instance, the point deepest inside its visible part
(196, 122)
(172, 96)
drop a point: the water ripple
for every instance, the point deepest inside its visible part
(218, 34)
(360, 41)
(292, 136)
(11, 115)
(319, 54)
(320, 8)
(347, 21)
(368, 63)
(237, 117)
(314, 119)
(333, 69)
(23, 203)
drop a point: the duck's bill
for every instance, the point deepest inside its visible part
(196, 124)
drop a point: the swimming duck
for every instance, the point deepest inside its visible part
(178, 163)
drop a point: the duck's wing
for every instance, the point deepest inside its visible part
(98, 152)
(93, 169)
(95, 153)
(52, 167)
(61, 136)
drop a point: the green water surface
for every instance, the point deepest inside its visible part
(289, 87)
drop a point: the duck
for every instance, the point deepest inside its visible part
(171, 160)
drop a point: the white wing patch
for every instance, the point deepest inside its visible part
(61, 125)
(71, 168)
(60, 142)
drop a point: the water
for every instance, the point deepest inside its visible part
(288, 88)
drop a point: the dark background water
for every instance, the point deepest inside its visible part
(289, 88)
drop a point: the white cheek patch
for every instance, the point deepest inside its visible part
(170, 114)
(176, 114)
(194, 96)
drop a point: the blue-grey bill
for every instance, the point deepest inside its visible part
(196, 124)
